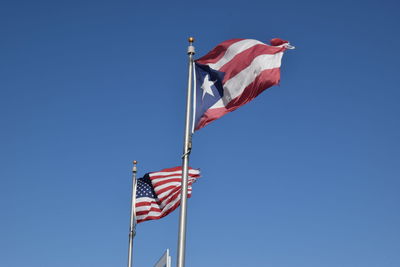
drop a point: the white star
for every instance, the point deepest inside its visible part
(207, 86)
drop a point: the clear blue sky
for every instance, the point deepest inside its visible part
(307, 175)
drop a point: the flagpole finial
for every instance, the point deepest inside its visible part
(134, 169)
(191, 47)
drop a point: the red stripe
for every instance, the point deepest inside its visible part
(174, 180)
(210, 115)
(164, 176)
(149, 218)
(264, 80)
(217, 52)
(171, 195)
(168, 188)
(166, 181)
(179, 168)
(174, 195)
(148, 210)
(173, 190)
(144, 212)
(145, 203)
(172, 177)
(174, 169)
(163, 214)
(172, 208)
(244, 59)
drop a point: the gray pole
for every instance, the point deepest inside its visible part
(132, 225)
(187, 146)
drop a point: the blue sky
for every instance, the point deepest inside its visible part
(306, 175)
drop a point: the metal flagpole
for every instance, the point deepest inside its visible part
(132, 227)
(187, 146)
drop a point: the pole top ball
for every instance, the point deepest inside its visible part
(191, 39)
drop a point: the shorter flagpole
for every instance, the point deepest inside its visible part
(132, 226)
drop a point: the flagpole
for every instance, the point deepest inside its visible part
(187, 146)
(132, 226)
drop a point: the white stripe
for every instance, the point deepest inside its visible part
(152, 201)
(235, 86)
(233, 50)
(145, 208)
(178, 198)
(154, 181)
(165, 173)
(194, 173)
(160, 187)
(174, 184)
(163, 179)
(144, 199)
(166, 193)
(152, 213)
(169, 205)
(179, 172)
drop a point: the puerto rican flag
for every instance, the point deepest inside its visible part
(232, 74)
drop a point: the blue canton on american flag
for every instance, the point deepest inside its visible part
(159, 193)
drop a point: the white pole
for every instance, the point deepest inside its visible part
(187, 146)
(132, 225)
(168, 259)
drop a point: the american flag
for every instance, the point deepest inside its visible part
(159, 193)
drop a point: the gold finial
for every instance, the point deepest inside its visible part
(191, 39)
(134, 168)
